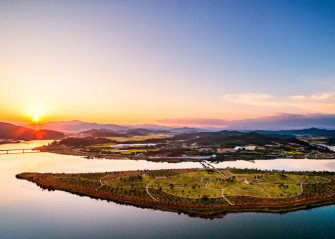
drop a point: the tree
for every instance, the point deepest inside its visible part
(205, 197)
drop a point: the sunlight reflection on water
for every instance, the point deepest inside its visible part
(26, 211)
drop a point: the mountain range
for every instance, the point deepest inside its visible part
(51, 131)
(275, 122)
(122, 133)
(303, 132)
(79, 126)
(233, 138)
(76, 125)
(113, 130)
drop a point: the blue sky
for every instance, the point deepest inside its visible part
(141, 61)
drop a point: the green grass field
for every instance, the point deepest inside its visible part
(203, 192)
(212, 184)
(199, 184)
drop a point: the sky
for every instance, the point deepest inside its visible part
(134, 62)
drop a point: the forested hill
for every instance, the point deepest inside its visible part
(233, 138)
(10, 131)
(122, 133)
(305, 132)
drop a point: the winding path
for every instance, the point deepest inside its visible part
(222, 190)
(222, 194)
(147, 188)
(101, 183)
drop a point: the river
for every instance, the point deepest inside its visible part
(26, 211)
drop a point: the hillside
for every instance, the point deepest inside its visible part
(87, 141)
(102, 133)
(10, 131)
(203, 135)
(304, 132)
(233, 138)
(142, 132)
(122, 133)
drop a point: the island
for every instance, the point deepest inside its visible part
(204, 192)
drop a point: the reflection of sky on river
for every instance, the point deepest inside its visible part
(25, 145)
(283, 164)
(26, 211)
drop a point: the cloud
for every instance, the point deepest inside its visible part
(325, 96)
(317, 97)
(322, 103)
(253, 99)
(298, 97)
(196, 122)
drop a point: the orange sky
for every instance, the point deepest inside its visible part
(115, 63)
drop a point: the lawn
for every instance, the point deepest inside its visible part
(199, 191)
(268, 185)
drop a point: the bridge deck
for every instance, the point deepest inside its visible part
(6, 151)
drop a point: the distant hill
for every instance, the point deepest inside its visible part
(233, 138)
(185, 130)
(212, 135)
(76, 125)
(10, 131)
(304, 132)
(122, 133)
(102, 133)
(145, 129)
(174, 129)
(150, 126)
(142, 131)
(276, 122)
(87, 141)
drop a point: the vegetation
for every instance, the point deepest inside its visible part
(234, 138)
(199, 192)
(189, 146)
(10, 131)
(87, 141)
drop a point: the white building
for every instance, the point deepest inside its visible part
(248, 148)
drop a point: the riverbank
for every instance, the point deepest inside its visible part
(130, 187)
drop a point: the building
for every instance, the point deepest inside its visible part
(248, 148)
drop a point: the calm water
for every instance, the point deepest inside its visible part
(28, 212)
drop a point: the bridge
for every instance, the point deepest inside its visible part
(18, 151)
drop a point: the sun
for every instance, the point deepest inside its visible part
(36, 118)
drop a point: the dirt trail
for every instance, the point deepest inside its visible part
(147, 188)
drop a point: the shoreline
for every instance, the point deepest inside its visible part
(88, 155)
(193, 210)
